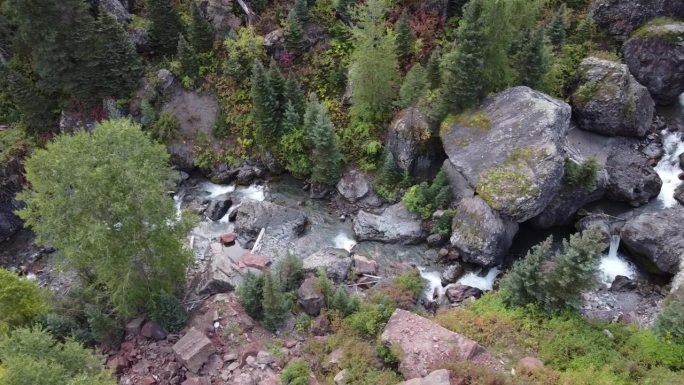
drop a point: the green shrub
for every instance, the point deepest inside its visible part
(326, 287)
(290, 272)
(296, 373)
(104, 326)
(581, 175)
(275, 304)
(21, 301)
(167, 310)
(411, 282)
(414, 86)
(250, 294)
(370, 318)
(442, 225)
(148, 114)
(303, 322)
(670, 324)
(424, 199)
(165, 127)
(60, 326)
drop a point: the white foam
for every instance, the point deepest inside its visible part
(668, 168)
(614, 265)
(434, 283)
(255, 192)
(344, 241)
(215, 190)
(483, 283)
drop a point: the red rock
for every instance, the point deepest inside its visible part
(148, 381)
(364, 265)
(193, 350)
(117, 364)
(256, 261)
(320, 325)
(228, 239)
(153, 330)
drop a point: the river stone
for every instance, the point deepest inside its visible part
(218, 208)
(354, 185)
(621, 17)
(657, 237)
(335, 262)
(510, 149)
(609, 101)
(480, 234)
(655, 56)
(630, 177)
(679, 193)
(410, 140)
(451, 274)
(395, 225)
(600, 220)
(279, 221)
(422, 344)
(457, 293)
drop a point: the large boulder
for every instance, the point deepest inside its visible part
(655, 56)
(657, 237)
(280, 222)
(422, 344)
(395, 225)
(335, 262)
(630, 177)
(414, 148)
(221, 15)
(193, 350)
(309, 296)
(609, 101)
(480, 234)
(510, 149)
(621, 17)
(356, 187)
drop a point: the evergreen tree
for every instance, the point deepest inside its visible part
(290, 272)
(275, 304)
(165, 26)
(250, 294)
(276, 83)
(433, 75)
(557, 28)
(531, 60)
(301, 9)
(521, 285)
(414, 86)
(187, 57)
(200, 31)
(263, 104)
(295, 34)
(342, 8)
(388, 175)
(295, 95)
(38, 110)
(374, 69)
(294, 145)
(340, 301)
(325, 153)
(404, 35)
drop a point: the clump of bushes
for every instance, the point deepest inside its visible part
(21, 301)
(168, 312)
(581, 175)
(425, 198)
(296, 373)
(670, 323)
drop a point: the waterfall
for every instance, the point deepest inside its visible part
(614, 264)
(614, 244)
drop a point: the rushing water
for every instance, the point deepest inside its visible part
(614, 264)
(673, 146)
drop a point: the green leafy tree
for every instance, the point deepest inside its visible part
(250, 293)
(433, 74)
(404, 35)
(414, 86)
(32, 356)
(187, 57)
(532, 60)
(21, 301)
(425, 198)
(200, 32)
(374, 69)
(326, 165)
(109, 213)
(295, 34)
(558, 27)
(275, 303)
(165, 26)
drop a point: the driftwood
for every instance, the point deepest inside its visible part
(248, 12)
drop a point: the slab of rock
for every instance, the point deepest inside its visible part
(657, 237)
(410, 141)
(335, 262)
(609, 101)
(438, 377)
(422, 344)
(193, 350)
(395, 225)
(479, 233)
(621, 17)
(655, 56)
(510, 149)
(630, 177)
(221, 273)
(280, 222)
(364, 265)
(309, 296)
(457, 293)
(679, 194)
(256, 261)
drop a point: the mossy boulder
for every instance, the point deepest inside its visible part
(621, 17)
(608, 100)
(510, 150)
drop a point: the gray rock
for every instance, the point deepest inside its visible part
(460, 188)
(658, 238)
(116, 9)
(630, 178)
(451, 274)
(140, 39)
(621, 17)
(274, 42)
(221, 15)
(220, 274)
(335, 262)
(510, 149)
(134, 326)
(153, 330)
(602, 221)
(341, 377)
(364, 265)
(218, 208)
(656, 59)
(436, 240)
(354, 185)
(395, 225)
(679, 193)
(248, 172)
(609, 101)
(479, 233)
(309, 297)
(193, 350)
(457, 293)
(165, 79)
(279, 221)
(414, 148)
(438, 377)
(10, 223)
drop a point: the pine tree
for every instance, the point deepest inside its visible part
(557, 28)
(325, 154)
(433, 74)
(200, 31)
(187, 57)
(522, 285)
(414, 86)
(388, 175)
(37, 109)
(295, 34)
(290, 272)
(301, 9)
(276, 83)
(342, 8)
(404, 35)
(165, 26)
(294, 146)
(340, 301)
(531, 60)
(263, 104)
(274, 303)
(250, 293)
(295, 95)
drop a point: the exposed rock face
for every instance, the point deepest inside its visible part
(479, 234)
(279, 221)
(116, 9)
(630, 178)
(657, 237)
(655, 55)
(460, 188)
(609, 101)
(355, 186)
(193, 350)
(423, 344)
(309, 296)
(438, 377)
(221, 14)
(679, 194)
(335, 262)
(410, 140)
(221, 274)
(510, 149)
(621, 17)
(395, 224)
